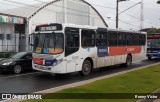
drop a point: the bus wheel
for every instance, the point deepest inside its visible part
(128, 61)
(86, 68)
(149, 57)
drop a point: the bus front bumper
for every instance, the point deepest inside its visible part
(153, 55)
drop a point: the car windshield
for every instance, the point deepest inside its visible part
(48, 43)
(153, 43)
(18, 55)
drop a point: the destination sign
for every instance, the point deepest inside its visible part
(154, 36)
(52, 27)
(49, 28)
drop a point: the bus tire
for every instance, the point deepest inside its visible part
(86, 68)
(128, 61)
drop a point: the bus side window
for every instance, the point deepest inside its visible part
(136, 39)
(143, 39)
(130, 38)
(112, 38)
(71, 40)
(88, 38)
(122, 39)
(101, 39)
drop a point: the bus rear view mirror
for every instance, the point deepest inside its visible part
(30, 39)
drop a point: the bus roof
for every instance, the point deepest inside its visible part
(88, 27)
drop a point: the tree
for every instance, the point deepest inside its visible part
(151, 30)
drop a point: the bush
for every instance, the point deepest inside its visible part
(6, 54)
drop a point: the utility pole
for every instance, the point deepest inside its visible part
(117, 9)
(142, 16)
(117, 14)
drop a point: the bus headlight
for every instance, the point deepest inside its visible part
(57, 62)
(148, 51)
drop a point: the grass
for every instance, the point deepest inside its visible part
(140, 81)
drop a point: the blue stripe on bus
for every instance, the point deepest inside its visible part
(50, 62)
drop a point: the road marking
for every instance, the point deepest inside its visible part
(19, 75)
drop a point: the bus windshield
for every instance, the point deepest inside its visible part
(48, 43)
(153, 43)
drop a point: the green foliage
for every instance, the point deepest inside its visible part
(6, 54)
(151, 30)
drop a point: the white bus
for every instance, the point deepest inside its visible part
(65, 48)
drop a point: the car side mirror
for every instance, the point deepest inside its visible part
(28, 57)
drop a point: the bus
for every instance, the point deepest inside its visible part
(66, 48)
(153, 46)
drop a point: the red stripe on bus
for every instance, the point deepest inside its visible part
(37, 61)
(121, 50)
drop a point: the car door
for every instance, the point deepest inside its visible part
(27, 61)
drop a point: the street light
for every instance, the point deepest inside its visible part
(117, 12)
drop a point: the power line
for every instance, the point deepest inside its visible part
(140, 19)
(129, 8)
(67, 12)
(128, 14)
(99, 6)
(122, 21)
(7, 4)
(124, 13)
(49, 9)
(63, 7)
(20, 3)
(71, 8)
(129, 21)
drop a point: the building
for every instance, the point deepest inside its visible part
(58, 11)
(10, 29)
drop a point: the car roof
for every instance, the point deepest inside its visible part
(25, 52)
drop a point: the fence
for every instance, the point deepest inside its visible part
(14, 43)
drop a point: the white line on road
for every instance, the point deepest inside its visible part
(19, 75)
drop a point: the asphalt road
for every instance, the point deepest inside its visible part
(37, 81)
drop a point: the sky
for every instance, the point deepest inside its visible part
(128, 20)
